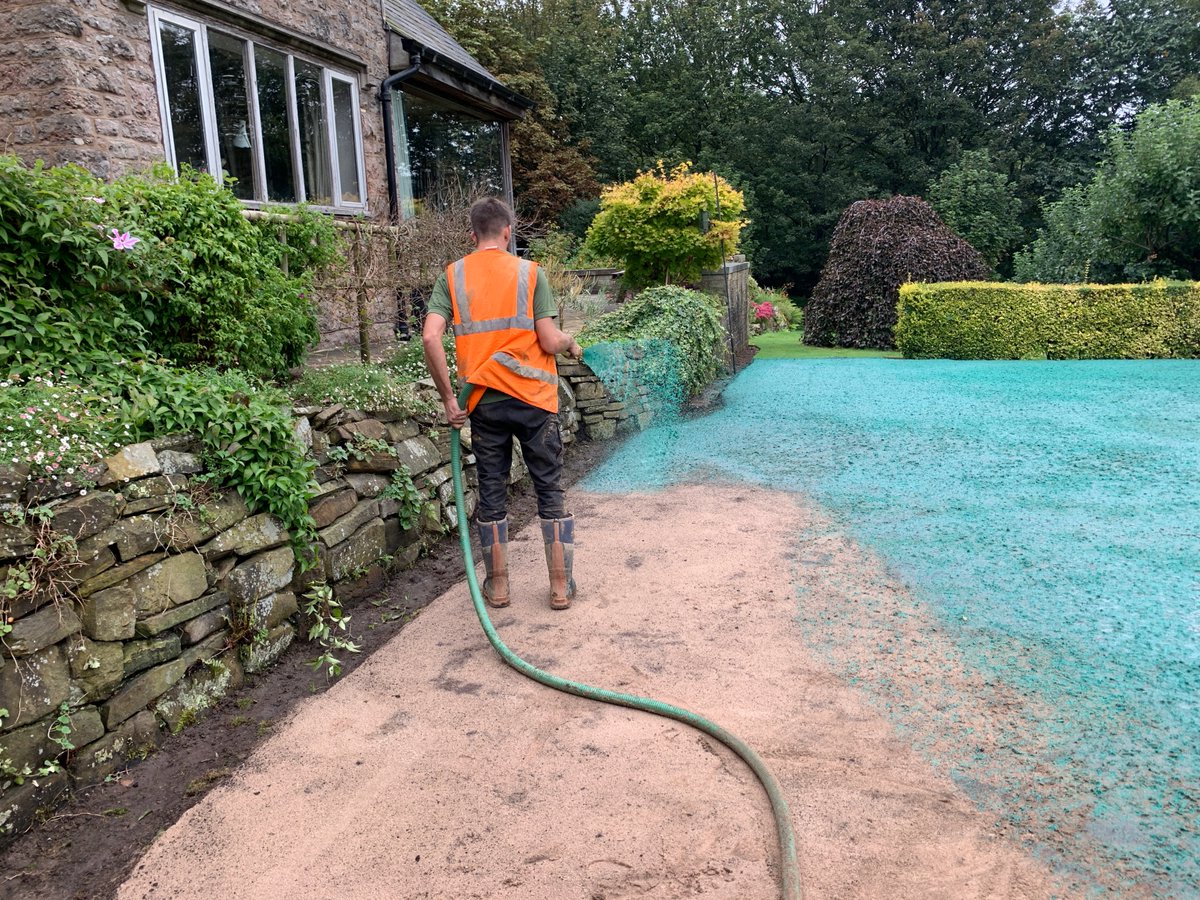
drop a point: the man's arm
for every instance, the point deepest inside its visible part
(554, 341)
(550, 338)
(435, 360)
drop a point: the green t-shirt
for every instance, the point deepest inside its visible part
(544, 307)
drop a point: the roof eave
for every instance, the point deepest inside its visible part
(490, 85)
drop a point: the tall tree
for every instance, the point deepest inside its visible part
(980, 204)
(1140, 215)
(549, 171)
(810, 106)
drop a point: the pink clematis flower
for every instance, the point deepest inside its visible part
(123, 241)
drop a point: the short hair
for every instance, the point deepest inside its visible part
(490, 216)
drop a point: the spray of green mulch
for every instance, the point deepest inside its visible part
(644, 374)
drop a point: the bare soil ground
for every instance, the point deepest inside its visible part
(86, 848)
(433, 770)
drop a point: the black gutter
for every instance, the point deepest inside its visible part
(389, 145)
(467, 74)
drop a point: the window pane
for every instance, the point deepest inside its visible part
(270, 71)
(183, 95)
(347, 148)
(227, 58)
(450, 151)
(404, 173)
(314, 137)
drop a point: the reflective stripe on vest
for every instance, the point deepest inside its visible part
(513, 365)
(466, 325)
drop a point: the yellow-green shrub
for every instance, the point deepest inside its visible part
(983, 320)
(653, 223)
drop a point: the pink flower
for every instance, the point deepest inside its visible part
(764, 310)
(123, 241)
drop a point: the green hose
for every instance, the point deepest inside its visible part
(789, 869)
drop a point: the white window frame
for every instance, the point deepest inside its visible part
(208, 111)
(331, 130)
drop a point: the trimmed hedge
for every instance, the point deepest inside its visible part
(983, 320)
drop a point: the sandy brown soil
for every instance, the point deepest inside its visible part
(433, 770)
(86, 848)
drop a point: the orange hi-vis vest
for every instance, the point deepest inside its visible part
(491, 293)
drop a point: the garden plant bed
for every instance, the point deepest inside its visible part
(72, 856)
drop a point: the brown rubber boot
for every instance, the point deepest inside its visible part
(559, 536)
(493, 538)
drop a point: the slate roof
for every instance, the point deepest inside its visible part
(408, 19)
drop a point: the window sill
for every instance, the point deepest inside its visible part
(254, 209)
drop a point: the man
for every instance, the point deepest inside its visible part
(502, 312)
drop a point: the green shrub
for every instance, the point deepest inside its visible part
(151, 265)
(689, 320)
(63, 426)
(58, 426)
(246, 428)
(365, 387)
(791, 315)
(66, 289)
(979, 202)
(227, 302)
(653, 224)
(408, 362)
(1139, 216)
(981, 320)
(1066, 249)
(786, 315)
(577, 218)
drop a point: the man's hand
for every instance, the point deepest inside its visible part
(455, 415)
(554, 341)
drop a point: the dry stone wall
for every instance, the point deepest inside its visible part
(599, 415)
(732, 283)
(173, 592)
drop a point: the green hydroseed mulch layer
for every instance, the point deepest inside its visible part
(1046, 516)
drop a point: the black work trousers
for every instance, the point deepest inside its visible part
(493, 427)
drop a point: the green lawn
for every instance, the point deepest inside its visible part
(788, 345)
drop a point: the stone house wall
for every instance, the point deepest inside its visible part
(171, 603)
(79, 87)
